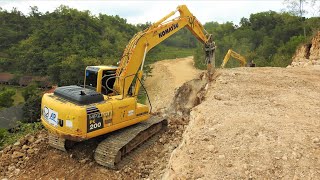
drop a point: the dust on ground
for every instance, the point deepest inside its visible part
(260, 123)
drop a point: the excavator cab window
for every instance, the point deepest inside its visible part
(91, 79)
(108, 79)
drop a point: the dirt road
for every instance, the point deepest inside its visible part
(260, 123)
(166, 76)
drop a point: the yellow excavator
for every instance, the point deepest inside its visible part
(235, 55)
(107, 101)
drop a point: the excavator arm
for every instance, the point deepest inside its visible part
(235, 55)
(132, 61)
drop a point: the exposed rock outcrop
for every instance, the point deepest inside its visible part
(307, 54)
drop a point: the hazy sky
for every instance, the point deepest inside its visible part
(143, 11)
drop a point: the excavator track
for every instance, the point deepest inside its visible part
(112, 149)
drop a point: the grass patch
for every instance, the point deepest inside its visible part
(160, 53)
(7, 138)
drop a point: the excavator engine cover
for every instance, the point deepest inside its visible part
(78, 95)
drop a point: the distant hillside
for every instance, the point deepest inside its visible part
(61, 43)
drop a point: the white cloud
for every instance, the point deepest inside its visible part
(143, 11)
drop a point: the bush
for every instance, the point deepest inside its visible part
(3, 135)
(23, 129)
(29, 91)
(6, 97)
(32, 109)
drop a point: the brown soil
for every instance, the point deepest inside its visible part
(260, 123)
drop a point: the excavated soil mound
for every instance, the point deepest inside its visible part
(255, 123)
(32, 158)
(189, 95)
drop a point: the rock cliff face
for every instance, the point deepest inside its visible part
(307, 54)
(315, 48)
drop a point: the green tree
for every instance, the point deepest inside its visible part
(30, 90)
(32, 109)
(3, 135)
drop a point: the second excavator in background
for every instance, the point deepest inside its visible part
(235, 55)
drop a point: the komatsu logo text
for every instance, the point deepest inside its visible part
(163, 33)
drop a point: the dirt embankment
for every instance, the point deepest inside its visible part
(261, 123)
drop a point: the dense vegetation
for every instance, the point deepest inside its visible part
(21, 130)
(6, 97)
(60, 44)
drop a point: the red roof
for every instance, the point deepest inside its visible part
(25, 80)
(6, 77)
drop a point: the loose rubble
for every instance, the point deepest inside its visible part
(15, 157)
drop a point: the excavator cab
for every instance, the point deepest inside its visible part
(100, 78)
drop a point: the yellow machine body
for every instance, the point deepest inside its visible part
(80, 122)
